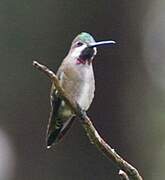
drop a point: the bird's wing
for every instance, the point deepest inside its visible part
(57, 125)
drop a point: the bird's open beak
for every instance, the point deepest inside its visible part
(101, 43)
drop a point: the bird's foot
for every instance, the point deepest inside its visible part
(81, 112)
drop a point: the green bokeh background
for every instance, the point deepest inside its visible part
(128, 109)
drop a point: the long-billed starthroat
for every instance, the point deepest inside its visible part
(77, 79)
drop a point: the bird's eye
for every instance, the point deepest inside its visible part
(79, 44)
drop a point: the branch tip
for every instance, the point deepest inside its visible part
(123, 175)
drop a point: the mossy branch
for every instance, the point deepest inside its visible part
(127, 169)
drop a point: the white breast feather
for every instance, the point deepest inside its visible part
(86, 97)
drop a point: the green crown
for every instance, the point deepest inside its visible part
(86, 37)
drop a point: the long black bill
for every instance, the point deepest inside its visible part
(101, 43)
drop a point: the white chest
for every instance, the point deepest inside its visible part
(86, 88)
(78, 82)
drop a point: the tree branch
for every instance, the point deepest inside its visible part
(92, 133)
(123, 175)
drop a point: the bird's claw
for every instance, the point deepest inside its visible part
(81, 112)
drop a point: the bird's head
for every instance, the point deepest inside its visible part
(83, 47)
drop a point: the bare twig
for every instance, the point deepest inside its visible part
(123, 175)
(89, 127)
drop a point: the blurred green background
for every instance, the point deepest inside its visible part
(129, 105)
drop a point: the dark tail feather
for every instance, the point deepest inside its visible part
(53, 134)
(65, 127)
(59, 131)
(58, 124)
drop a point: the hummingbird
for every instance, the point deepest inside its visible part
(76, 77)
